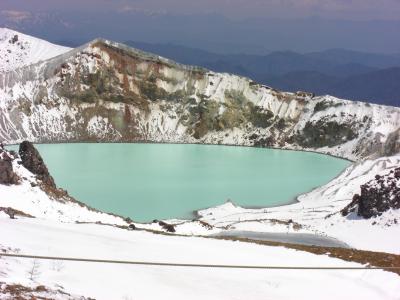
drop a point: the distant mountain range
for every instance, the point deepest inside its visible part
(334, 71)
(380, 86)
(343, 73)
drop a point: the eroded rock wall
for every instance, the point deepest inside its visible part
(105, 91)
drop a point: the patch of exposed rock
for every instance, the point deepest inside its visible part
(377, 196)
(7, 175)
(11, 212)
(167, 227)
(22, 292)
(33, 161)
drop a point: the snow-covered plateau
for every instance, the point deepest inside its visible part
(104, 91)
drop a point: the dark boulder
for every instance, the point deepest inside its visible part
(32, 160)
(167, 227)
(377, 196)
(14, 39)
(7, 175)
(12, 213)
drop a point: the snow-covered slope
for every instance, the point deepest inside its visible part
(19, 50)
(319, 212)
(31, 196)
(105, 91)
(113, 281)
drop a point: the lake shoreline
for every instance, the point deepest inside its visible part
(186, 143)
(193, 214)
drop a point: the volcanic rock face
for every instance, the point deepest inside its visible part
(32, 160)
(104, 91)
(377, 196)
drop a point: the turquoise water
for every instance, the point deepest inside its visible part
(159, 181)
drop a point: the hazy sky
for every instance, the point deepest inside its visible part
(336, 9)
(226, 26)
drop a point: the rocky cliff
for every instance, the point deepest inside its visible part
(104, 91)
(377, 196)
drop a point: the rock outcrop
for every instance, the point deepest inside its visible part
(33, 161)
(7, 175)
(167, 227)
(11, 212)
(377, 196)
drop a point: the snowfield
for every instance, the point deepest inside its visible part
(108, 281)
(318, 212)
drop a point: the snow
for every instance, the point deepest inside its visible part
(34, 201)
(108, 281)
(319, 212)
(24, 51)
